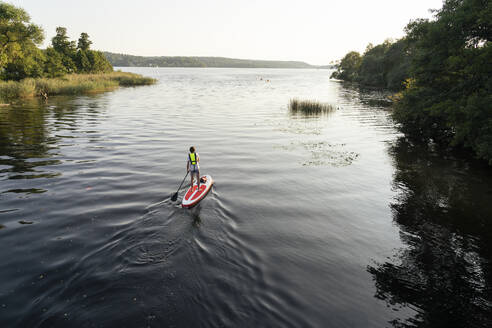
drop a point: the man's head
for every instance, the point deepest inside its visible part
(192, 149)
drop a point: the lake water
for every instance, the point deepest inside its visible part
(327, 221)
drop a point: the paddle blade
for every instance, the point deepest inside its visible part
(174, 197)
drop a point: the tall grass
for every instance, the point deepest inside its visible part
(70, 85)
(309, 107)
(11, 89)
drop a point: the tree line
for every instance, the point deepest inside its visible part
(21, 57)
(385, 65)
(442, 68)
(122, 60)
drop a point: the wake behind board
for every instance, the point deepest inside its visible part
(193, 196)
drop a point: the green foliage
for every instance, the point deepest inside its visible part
(348, 69)
(62, 44)
(98, 63)
(449, 101)
(18, 40)
(382, 66)
(28, 63)
(65, 48)
(84, 42)
(82, 62)
(128, 79)
(70, 84)
(12, 90)
(443, 67)
(53, 65)
(396, 64)
(20, 57)
(47, 71)
(372, 68)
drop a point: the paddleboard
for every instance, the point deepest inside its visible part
(193, 196)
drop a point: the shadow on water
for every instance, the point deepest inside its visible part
(443, 210)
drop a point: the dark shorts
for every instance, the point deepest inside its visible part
(194, 168)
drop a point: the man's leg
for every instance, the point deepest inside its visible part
(198, 178)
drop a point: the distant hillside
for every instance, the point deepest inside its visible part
(121, 60)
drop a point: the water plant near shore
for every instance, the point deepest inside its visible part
(71, 84)
(309, 107)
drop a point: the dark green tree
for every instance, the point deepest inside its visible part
(61, 43)
(82, 62)
(84, 42)
(382, 66)
(397, 64)
(449, 98)
(348, 68)
(372, 68)
(53, 66)
(99, 63)
(66, 48)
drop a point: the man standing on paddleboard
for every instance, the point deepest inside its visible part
(193, 167)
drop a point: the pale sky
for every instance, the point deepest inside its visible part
(314, 31)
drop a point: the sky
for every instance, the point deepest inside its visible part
(314, 31)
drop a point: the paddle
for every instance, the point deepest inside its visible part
(175, 196)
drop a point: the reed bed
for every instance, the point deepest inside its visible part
(309, 107)
(72, 84)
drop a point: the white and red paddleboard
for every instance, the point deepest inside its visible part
(193, 196)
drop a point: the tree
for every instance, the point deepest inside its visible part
(66, 48)
(61, 43)
(372, 68)
(18, 41)
(84, 42)
(397, 64)
(99, 63)
(82, 62)
(349, 67)
(53, 66)
(449, 100)
(383, 66)
(28, 64)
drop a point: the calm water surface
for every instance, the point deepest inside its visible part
(330, 221)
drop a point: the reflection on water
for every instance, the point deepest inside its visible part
(444, 272)
(32, 132)
(378, 98)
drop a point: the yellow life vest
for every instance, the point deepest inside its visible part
(193, 158)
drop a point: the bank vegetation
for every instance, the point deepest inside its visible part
(72, 84)
(64, 67)
(441, 73)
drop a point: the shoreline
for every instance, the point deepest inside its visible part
(73, 84)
